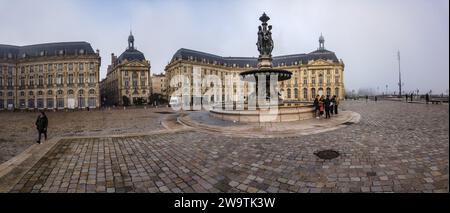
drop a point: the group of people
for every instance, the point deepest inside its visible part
(325, 106)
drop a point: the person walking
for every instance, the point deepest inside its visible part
(376, 98)
(321, 104)
(332, 104)
(367, 98)
(41, 126)
(316, 107)
(406, 96)
(427, 98)
(327, 107)
(411, 97)
(336, 103)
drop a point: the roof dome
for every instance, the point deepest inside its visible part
(131, 54)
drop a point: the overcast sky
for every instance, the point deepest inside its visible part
(366, 34)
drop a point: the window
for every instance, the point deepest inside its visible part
(49, 92)
(296, 93)
(22, 70)
(40, 103)
(313, 80)
(10, 81)
(81, 78)
(126, 73)
(49, 80)
(328, 92)
(31, 69)
(50, 103)
(70, 67)
(49, 67)
(41, 68)
(22, 93)
(81, 66)
(31, 103)
(336, 79)
(41, 80)
(143, 82)
(1, 81)
(92, 78)
(305, 93)
(70, 79)
(30, 93)
(336, 91)
(126, 83)
(91, 66)
(10, 70)
(22, 81)
(91, 92)
(2, 106)
(305, 81)
(134, 82)
(92, 102)
(60, 67)
(313, 93)
(70, 92)
(328, 72)
(31, 81)
(320, 79)
(60, 102)
(80, 92)
(40, 93)
(59, 79)
(288, 93)
(60, 92)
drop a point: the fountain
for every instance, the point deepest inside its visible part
(268, 105)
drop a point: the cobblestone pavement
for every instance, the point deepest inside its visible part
(396, 147)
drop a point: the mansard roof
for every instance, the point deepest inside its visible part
(47, 49)
(187, 54)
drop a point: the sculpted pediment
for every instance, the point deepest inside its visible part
(320, 62)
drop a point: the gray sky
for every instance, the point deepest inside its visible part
(366, 34)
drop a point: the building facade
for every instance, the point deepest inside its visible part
(159, 84)
(127, 80)
(316, 73)
(49, 76)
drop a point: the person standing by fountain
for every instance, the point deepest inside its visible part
(321, 105)
(327, 107)
(336, 103)
(316, 107)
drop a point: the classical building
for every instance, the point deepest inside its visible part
(127, 78)
(159, 84)
(47, 76)
(316, 73)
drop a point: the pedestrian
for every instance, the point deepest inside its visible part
(327, 107)
(367, 98)
(332, 104)
(336, 103)
(411, 97)
(321, 106)
(376, 98)
(427, 98)
(41, 126)
(406, 96)
(316, 107)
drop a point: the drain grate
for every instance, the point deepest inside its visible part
(327, 154)
(348, 123)
(165, 112)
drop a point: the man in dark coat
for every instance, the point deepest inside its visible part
(327, 107)
(316, 107)
(427, 98)
(41, 126)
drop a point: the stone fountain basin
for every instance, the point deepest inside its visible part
(283, 113)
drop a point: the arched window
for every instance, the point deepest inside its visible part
(91, 92)
(40, 93)
(305, 93)
(288, 93)
(70, 92)
(313, 93)
(320, 79)
(296, 93)
(49, 92)
(30, 93)
(328, 92)
(80, 92)
(60, 92)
